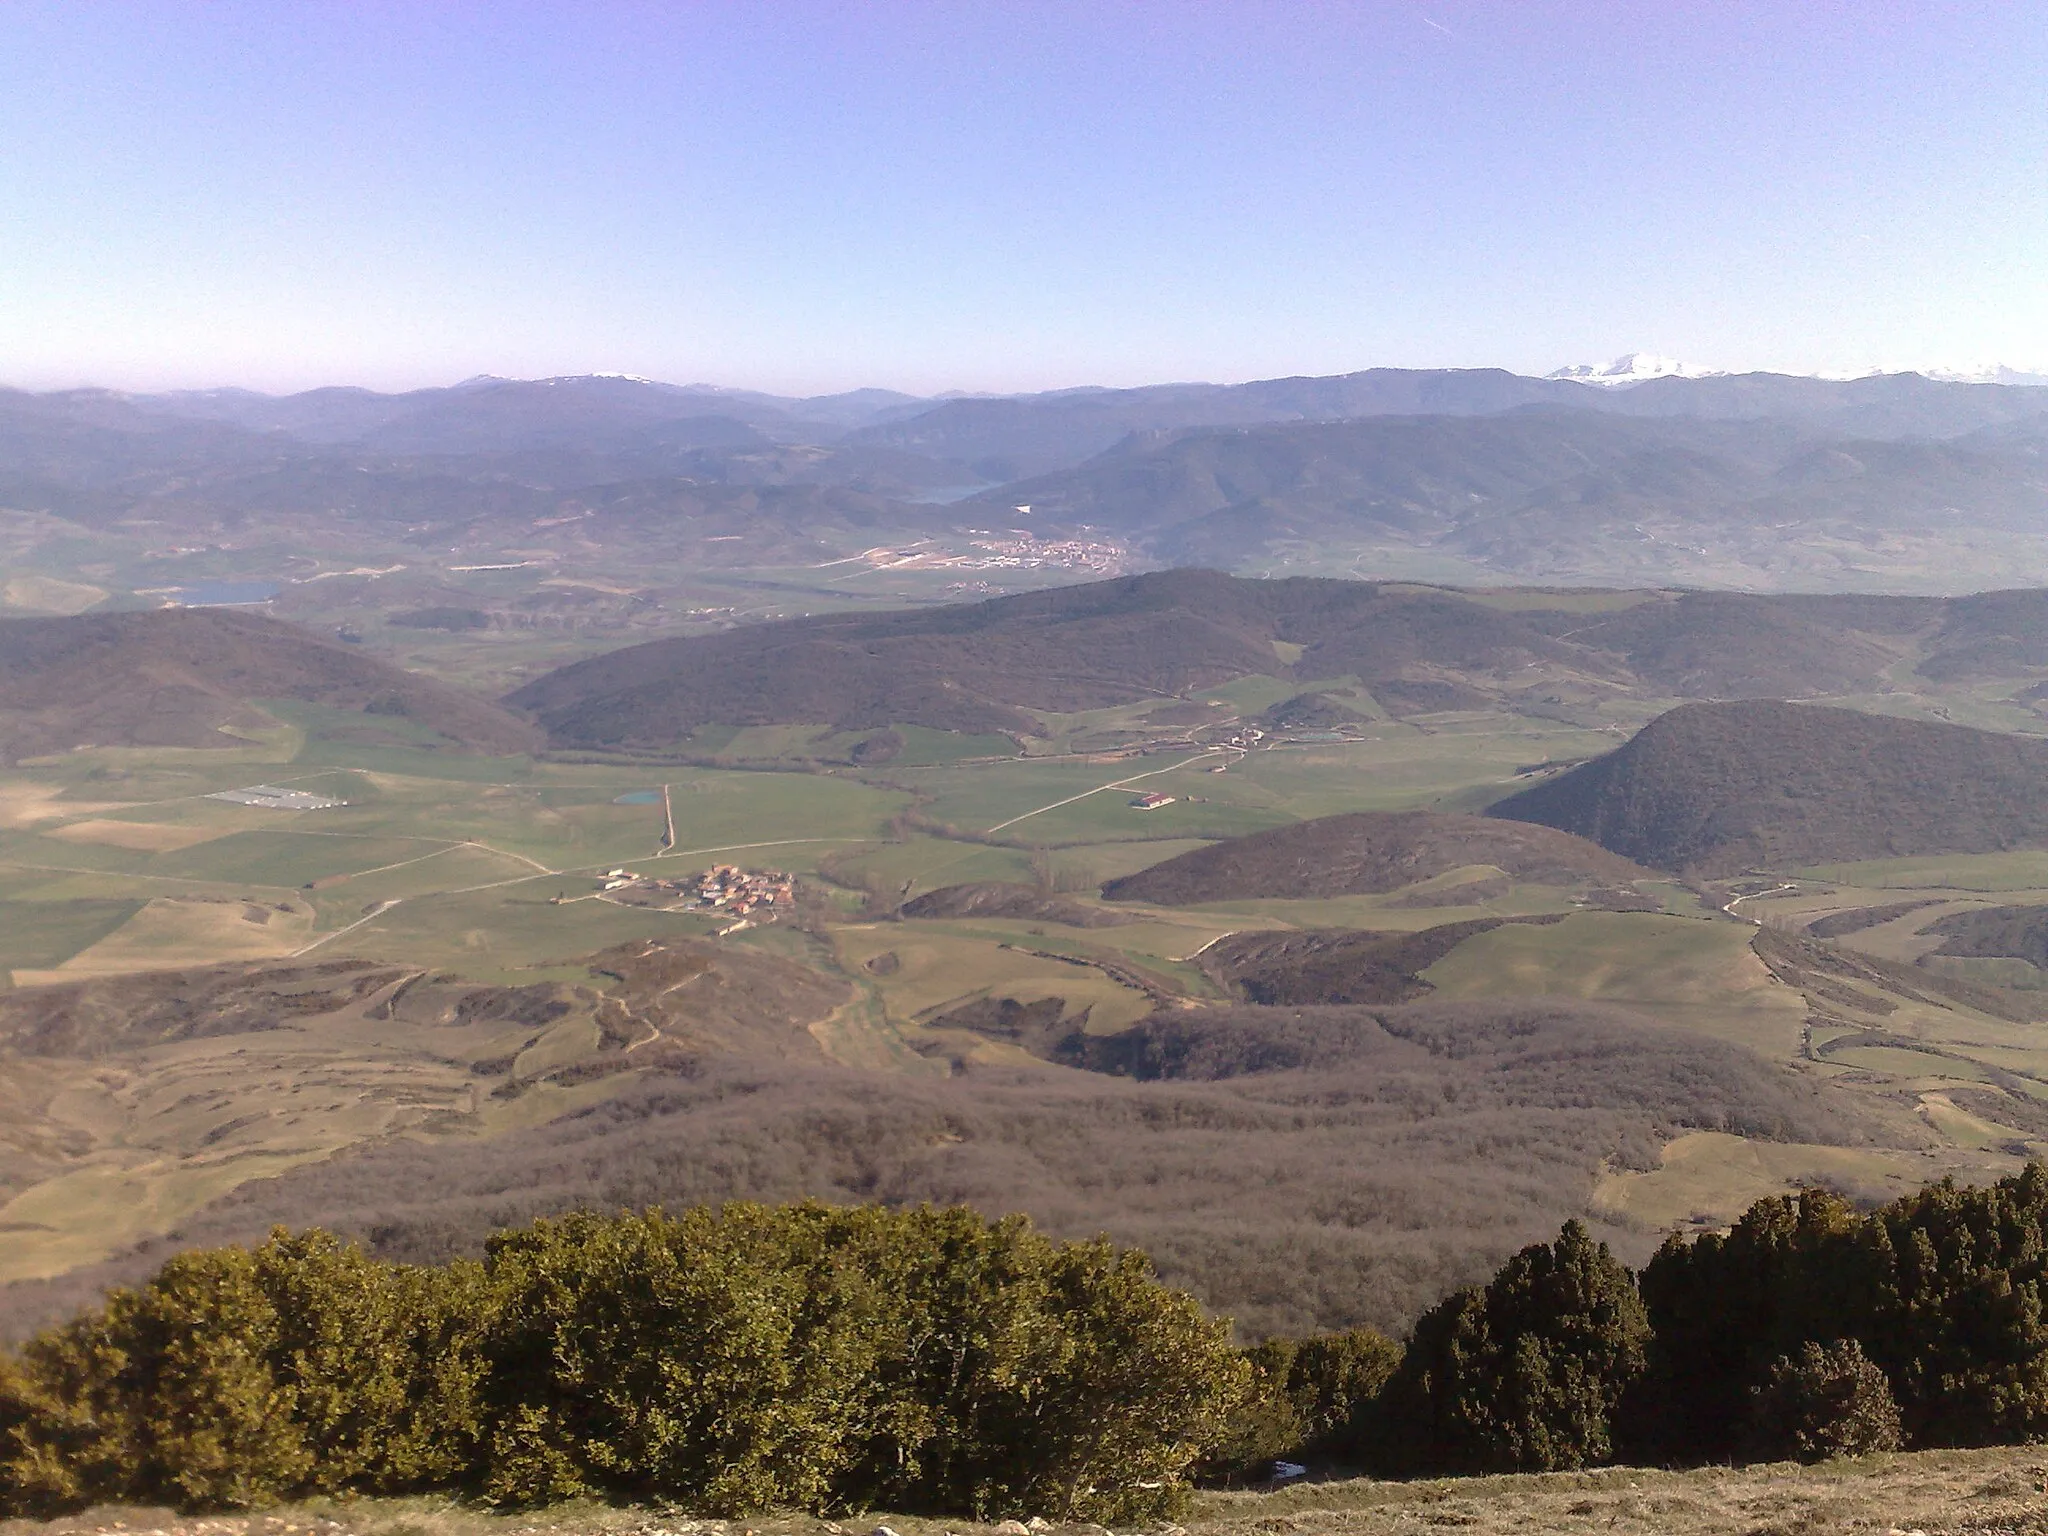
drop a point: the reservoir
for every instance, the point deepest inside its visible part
(225, 594)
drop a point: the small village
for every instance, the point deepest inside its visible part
(751, 896)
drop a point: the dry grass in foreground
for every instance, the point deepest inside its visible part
(2000, 1492)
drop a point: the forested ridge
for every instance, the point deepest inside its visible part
(843, 1358)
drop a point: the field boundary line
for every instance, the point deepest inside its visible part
(122, 874)
(367, 917)
(1152, 773)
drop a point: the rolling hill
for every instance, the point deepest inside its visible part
(1365, 853)
(1718, 788)
(180, 677)
(1292, 968)
(970, 668)
(1548, 491)
(984, 667)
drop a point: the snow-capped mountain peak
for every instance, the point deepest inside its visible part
(1990, 373)
(1634, 368)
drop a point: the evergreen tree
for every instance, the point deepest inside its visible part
(1827, 1400)
(1951, 1287)
(1722, 1307)
(1527, 1374)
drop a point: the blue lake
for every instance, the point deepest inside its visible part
(226, 594)
(639, 797)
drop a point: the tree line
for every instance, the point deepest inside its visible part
(1806, 1330)
(842, 1358)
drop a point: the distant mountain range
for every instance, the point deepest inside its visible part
(1638, 367)
(1638, 472)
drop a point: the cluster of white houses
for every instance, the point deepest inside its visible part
(749, 893)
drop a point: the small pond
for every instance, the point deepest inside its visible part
(226, 594)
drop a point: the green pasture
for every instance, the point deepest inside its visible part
(1158, 950)
(1987, 970)
(345, 734)
(1099, 728)
(981, 796)
(1109, 816)
(921, 863)
(444, 871)
(35, 935)
(923, 746)
(2025, 870)
(498, 934)
(1397, 768)
(1083, 867)
(1256, 694)
(923, 968)
(462, 852)
(1381, 912)
(1691, 973)
(1987, 709)
(283, 857)
(1909, 1065)
(1394, 767)
(1964, 1129)
(1555, 599)
(918, 864)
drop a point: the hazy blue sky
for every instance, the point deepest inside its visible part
(802, 195)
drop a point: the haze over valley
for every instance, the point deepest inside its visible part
(597, 507)
(991, 768)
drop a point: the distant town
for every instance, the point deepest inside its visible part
(1008, 549)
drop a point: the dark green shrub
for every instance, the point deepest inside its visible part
(1334, 1382)
(1308, 1398)
(1943, 1290)
(1827, 1400)
(237, 1377)
(831, 1358)
(736, 1360)
(1265, 1427)
(1721, 1308)
(1525, 1375)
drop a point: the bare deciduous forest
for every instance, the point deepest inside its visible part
(1298, 1169)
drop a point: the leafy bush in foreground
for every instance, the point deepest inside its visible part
(236, 1377)
(1308, 1397)
(731, 1359)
